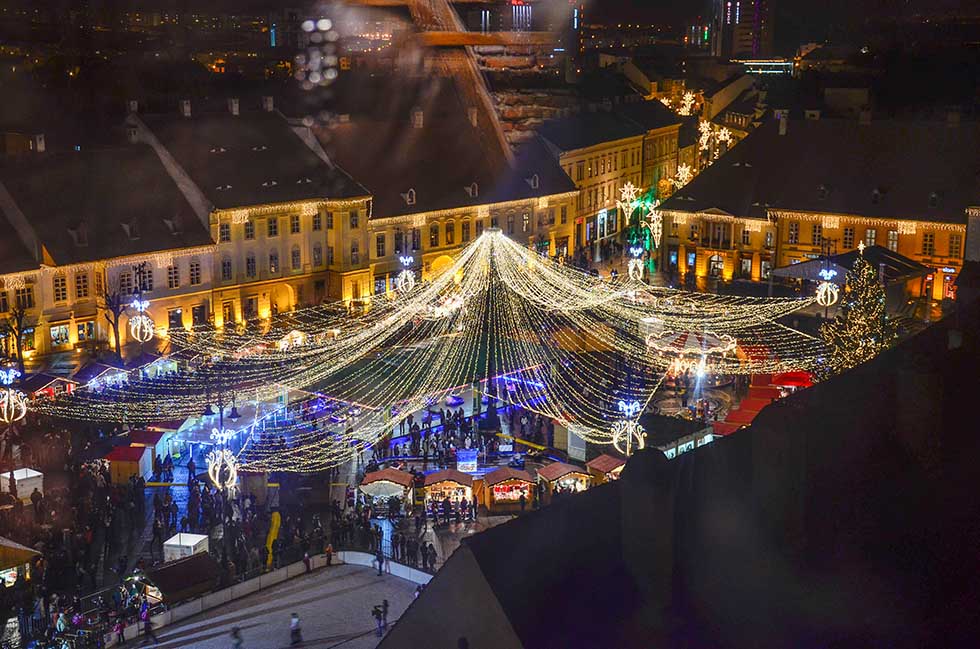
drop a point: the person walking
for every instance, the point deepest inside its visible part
(384, 615)
(236, 638)
(378, 620)
(148, 629)
(295, 632)
(380, 558)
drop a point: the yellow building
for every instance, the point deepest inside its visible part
(790, 186)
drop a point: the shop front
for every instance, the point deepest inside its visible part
(447, 487)
(503, 488)
(387, 488)
(561, 478)
(605, 468)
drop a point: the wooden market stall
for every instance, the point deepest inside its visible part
(155, 440)
(126, 461)
(503, 488)
(380, 486)
(559, 477)
(447, 484)
(605, 468)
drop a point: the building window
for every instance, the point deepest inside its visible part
(330, 220)
(564, 214)
(81, 285)
(294, 224)
(59, 335)
(794, 233)
(273, 226)
(450, 233)
(848, 238)
(893, 240)
(330, 255)
(228, 312)
(85, 331)
(510, 224)
(466, 231)
(317, 222)
(195, 273)
(198, 315)
(294, 258)
(955, 245)
(125, 283)
(817, 234)
(144, 279)
(379, 246)
(746, 237)
(60, 288)
(173, 276)
(250, 266)
(355, 253)
(175, 318)
(224, 232)
(4, 303)
(694, 232)
(928, 243)
(249, 230)
(674, 226)
(317, 254)
(274, 262)
(354, 218)
(479, 228)
(525, 222)
(870, 236)
(24, 297)
(768, 238)
(580, 171)
(434, 235)
(226, 270)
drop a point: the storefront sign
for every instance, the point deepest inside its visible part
(505, 447)
(466, 460)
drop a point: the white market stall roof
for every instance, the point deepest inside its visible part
(386, 483)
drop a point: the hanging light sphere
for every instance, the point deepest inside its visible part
(222, 468)
(141, 328)
(13, 405)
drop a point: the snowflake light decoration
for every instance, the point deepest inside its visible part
(687, 104)
(684, 175)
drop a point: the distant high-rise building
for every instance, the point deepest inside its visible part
(742, 28)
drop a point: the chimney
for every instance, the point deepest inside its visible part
(37, 143)
(812, 115)
(233, 105)
(473, 114)
(267, 104)
(783, 124)
(132, 106)
(185, 107)
(864, 117)
(418, 118)
(132, 134)
(953, 118)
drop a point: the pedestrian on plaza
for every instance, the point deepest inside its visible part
(378, 620)
(120, 629)
(295, 633)
(384, 614)
(236, 638)
(523, 502)
(148, 629)
(380, 558)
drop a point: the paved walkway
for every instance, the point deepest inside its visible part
(334, 606)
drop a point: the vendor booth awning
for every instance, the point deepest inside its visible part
(14, 554)
(96, 370)
(799, 379)
(557, 470)
(505, 473)
(605, 463)
(386, 483)
(449, 475)
(48, 383)
(897, 267)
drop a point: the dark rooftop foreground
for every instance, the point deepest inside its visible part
(845, 516)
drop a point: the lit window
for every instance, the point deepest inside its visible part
(294, 224)
(195, 273)
(317, 254)
(317, 222)
(226, 270)
(450, 233)
(295, 259)
(955, 245)
(434, 235)
(60, 288)
(81, 285)
(249, 230)
(870, 237)
(928, 243)
(274, 262)
(793, 236)
(817, 234)
(273, 230)
(173, 276)
(224, 232)
(354, 218)
(893, 240)
(848, 238)
(250, 265)
(379, 246)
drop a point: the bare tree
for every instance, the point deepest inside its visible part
(14, 325)
(113, 304)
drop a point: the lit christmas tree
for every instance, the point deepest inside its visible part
(861, 329)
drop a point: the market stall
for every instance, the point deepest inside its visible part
(15, 559)
(25, 481)
(450, 484)
(126, 461)
(183, 545)
(605, 468)
(156, 441)
(559, 477)
(503, 488)
(379, 487)
(46, 385)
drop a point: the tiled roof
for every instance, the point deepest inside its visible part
(254, 158)
(925, 171)
(98, 194)
(555, 470)
(14, 255)
(505, 473)
(589, 128)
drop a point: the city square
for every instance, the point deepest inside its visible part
(476, 323)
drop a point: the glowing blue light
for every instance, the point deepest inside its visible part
(827, 273)
(7, 377)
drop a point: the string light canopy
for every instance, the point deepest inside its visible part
(500, 320)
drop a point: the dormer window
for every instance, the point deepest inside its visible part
(270, 183)
(132, 230)
(875, 196)
(534, 181)
(409, 197)
(173, 225)
(934, 199)
(218, 149)
(261, 147)
(823, 192)
(473, 190)
(79, 235)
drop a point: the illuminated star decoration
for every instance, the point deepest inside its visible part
(687, 104)
(684, 175)
(704, 139)
(628, 202)
(861, 247)
(628, 436)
